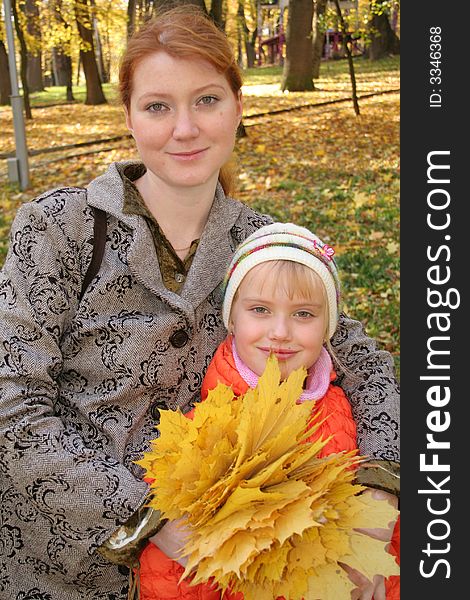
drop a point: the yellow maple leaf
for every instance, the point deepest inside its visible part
(360, 198)
(273, 569)
(368, 556)
(369, 512)
(376, 235)
(294, 519)
(267, 516)
(329, 583)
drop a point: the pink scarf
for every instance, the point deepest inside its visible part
(318, 376)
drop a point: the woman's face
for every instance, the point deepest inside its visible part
(183, 116)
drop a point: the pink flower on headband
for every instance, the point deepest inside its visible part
(325, 250)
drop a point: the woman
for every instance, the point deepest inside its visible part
(82, 380)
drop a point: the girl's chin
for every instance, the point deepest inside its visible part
(285, 373)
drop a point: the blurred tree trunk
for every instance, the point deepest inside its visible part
(103, 72)
(297, 73)
(62, 68)
(249, 38)
(384, 41)
(61, 59)
(94, 91)
(5, 84)
(251, 49)
(216, 13)
(318, 36)
(162, 5)
(243, 35)
(23, 60)
(352, 74)
(33, 27)
(35, 78)
(131, 17)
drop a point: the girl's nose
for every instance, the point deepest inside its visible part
(185, 126)
(279, 328)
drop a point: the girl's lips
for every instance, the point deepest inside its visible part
(279, 351)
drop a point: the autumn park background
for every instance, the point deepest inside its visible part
(308, 153)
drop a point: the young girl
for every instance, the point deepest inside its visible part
(281, 297)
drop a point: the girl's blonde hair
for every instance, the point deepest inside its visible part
(183, 32)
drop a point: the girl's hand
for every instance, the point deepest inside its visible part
(366, 589)
(375, 589)
(171, 539)
(384, 535)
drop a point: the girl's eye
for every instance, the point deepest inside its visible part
(207, 100)
(259, 310)
(157, 107)
(304, 314)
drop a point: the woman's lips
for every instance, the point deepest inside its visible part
(190, 155)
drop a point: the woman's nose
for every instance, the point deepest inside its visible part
(185, 126)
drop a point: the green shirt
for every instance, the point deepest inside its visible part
(173, 269)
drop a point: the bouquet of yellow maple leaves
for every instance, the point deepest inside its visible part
(267, 517)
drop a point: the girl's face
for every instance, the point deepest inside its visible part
(183, 116)
(265, 319)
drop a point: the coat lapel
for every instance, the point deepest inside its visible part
(210, 261)
(215, 249)
(107, 192)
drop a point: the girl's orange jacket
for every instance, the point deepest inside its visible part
(159, 575)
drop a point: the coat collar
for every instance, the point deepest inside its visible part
(210, 262)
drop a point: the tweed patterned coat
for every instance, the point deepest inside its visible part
(81, 383)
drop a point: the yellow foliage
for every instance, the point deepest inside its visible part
(361, 198)
(267, 516)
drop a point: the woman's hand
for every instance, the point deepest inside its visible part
(171, 539)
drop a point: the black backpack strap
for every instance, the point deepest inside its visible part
(99, 242)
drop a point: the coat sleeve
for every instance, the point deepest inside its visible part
(369, 381)
(81, 492)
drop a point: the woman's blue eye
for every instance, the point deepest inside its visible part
(156, 107)
(208, 100)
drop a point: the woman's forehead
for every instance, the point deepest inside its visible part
(163, 61)
(160, 73)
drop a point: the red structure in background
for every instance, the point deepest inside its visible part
(333, 45)
(271, 49)
(271, 35)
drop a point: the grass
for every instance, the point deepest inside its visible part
(57, 95)
(267, 75)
